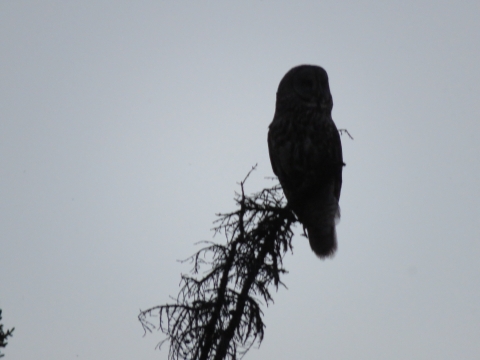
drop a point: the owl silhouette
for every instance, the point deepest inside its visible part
(306, 154)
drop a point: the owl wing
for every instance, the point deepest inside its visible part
(283, 151)
(303, 158)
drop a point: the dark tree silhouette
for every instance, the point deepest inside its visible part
(4, 335)
(218, 316)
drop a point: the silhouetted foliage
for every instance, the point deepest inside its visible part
(218, 316)
(4, 335)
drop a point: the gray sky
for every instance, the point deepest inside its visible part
(125, 126)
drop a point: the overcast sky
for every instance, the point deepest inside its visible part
(125, 126)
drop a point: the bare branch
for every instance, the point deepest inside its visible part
(218, 316)
(342, 131)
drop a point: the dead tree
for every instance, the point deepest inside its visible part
(218, 316)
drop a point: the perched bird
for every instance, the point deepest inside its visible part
(306, 154)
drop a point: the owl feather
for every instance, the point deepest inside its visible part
(306, 154)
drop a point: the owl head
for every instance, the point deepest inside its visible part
(305, 85)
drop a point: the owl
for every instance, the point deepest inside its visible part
(306, 154)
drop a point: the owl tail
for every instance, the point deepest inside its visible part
(323, 240)
(320, 224)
